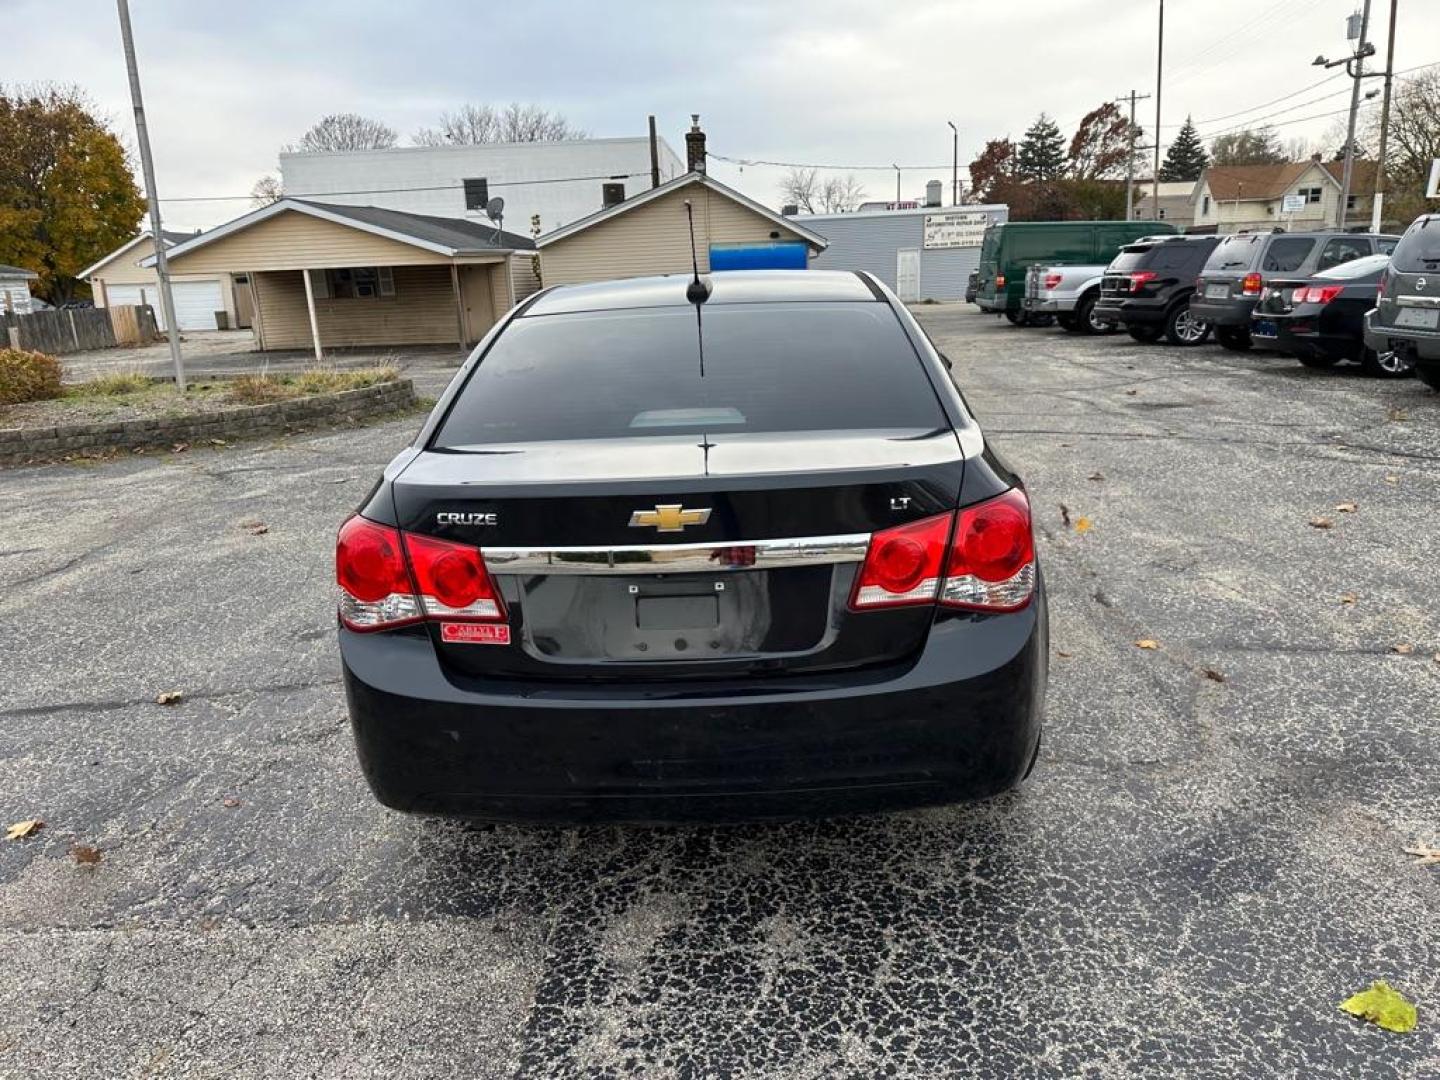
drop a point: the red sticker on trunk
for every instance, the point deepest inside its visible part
(465, 633)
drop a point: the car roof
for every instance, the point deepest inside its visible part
(727, 287)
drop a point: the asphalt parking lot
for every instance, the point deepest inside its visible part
(1208, 858)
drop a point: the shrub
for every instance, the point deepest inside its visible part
(256, 390)
(113, 385)
(27, 376)
(330, 380)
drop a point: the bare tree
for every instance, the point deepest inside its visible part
(476, 125)
(266, 191)
(347, 131)
(801, 187)
(841, 194)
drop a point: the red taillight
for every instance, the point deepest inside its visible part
(988, 565)
(1384, 280)
(992, 556)
(377, 590)
(1251, 285)
(370, 568)
(1052, 281)
(999, 281)
(1140, 278)
(452, 579)
(1317, 294)
(902, 565)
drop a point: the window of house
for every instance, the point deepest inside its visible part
(1205, 204)
(1162, 213)
(1312, 194)
(477, 192)
(357, 283)
(1350, 202)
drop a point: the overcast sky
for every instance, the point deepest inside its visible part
(834, 82)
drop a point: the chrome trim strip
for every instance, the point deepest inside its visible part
(1418, 301)
(679, 558)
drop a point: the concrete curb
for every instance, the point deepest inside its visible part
(26, 445)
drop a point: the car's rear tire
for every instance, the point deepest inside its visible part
(1144, 333)
(1085, 315)
(1234, 338)
(1386, 365)
(1429, 374)
(1067, 322)
(1317, 360)
(1182, 328)
(1017, 318)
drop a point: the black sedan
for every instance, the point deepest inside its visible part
(728, 551)
(1321, 320)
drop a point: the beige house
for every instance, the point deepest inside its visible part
(1232, 197)
(321, 275)
(649, 234)
(1177, 202)
(119, 278)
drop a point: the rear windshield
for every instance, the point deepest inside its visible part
(1368, 266)
(1287, 253)
(1130, 258)
(1419, 248)
(642, 371)
(1234, 253)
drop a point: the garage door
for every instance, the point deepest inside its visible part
(195, 301)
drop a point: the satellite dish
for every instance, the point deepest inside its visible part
(495, 208)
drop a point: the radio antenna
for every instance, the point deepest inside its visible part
(697, 292)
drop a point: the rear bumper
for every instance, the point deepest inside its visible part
(1035, 303)
(1309, 342)
(1115, 309)
(1235, 312)
(1425, 344)
(962, 721)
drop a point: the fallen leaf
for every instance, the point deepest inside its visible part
(230, 803)
(255, 528)
(1348, 598)
(1097, 476)
(1392, 479)
(1132, 393)
(1082, 525)
(1397, 414)
(1212, 674)
(85, 855)
(22, 829)
(1403, 648)
(209, 922)
(1321, 523)
(1065, 515)
(179, 448)
(1147, 643)
(218, 442)
(1426, 854)
(1436, 658)
(1382, 1005)
(1063, 654)
(1346, 508)
(169, 697)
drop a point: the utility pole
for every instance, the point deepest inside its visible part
(654, 156)
(954, 164)
(1159, 68)
(1378, 202)
(142, 139)
(1132, 97)
(1355, 76)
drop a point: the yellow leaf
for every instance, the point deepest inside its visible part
(1082, 525)
(1321, 523)
(1382, 1005)
(1147, 643)
(1424, 853)
(22, 829)
(169, 697)
(1403, 648)
(1347, 508)
(1392, 479)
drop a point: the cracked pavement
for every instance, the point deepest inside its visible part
(1195, 876)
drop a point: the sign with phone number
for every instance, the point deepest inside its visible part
(955, 228)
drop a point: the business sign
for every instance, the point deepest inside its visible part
(1292, 204)
(1432, 189)
(955, 228)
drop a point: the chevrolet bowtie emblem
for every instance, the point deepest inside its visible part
(672, 518)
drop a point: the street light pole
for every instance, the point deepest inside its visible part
(1159, 66)
(142, 139)
(954, 164)
(1355, 76)
(897, 185)
(1378, 202)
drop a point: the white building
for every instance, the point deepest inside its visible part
(560, 181)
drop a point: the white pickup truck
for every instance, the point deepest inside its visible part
(1068, 293)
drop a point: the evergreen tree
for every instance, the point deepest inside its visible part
(1186, 159)
(1042, 151)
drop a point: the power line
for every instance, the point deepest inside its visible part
(815, 165)
(388, 191)
(1276, 101)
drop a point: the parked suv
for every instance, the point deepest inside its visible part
(1238, 269)
(1148, 286)
(1406, 318)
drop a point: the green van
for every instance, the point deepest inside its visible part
(1009, 248)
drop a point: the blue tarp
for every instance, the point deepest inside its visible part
(775, 255)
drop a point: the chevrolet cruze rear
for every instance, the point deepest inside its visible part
(659, 560)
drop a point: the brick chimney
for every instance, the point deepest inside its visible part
(695, 146)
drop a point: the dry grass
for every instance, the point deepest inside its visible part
(258, 389)
(115, 384)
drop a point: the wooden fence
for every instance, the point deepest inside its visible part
(80, 329)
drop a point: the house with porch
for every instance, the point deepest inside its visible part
(324, 275)
(1228, 198)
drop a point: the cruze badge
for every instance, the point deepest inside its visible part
(452, 517)
(1420, 284)
(671, 518)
